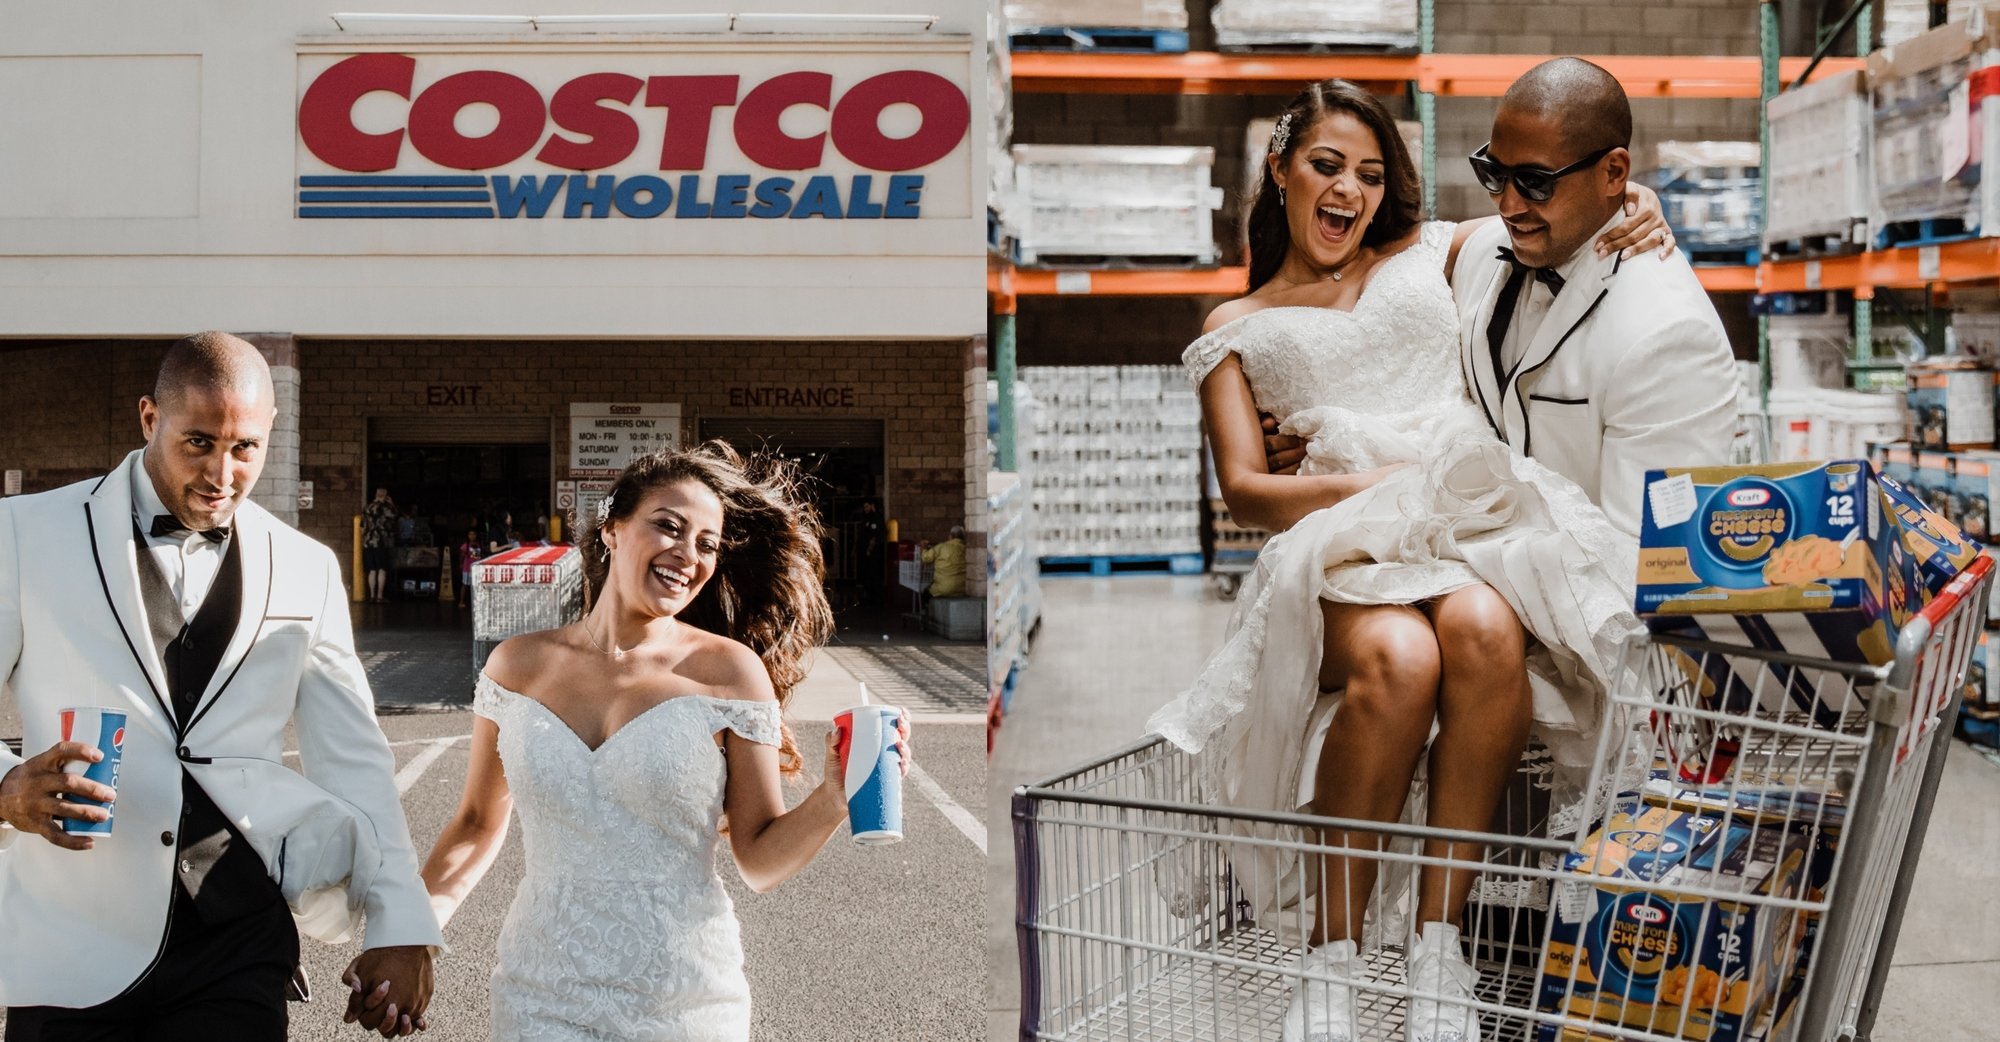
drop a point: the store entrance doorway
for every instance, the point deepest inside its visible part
(452, 476)
(844, 459)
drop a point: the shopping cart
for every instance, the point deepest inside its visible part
(523, 590)
(1131, 926)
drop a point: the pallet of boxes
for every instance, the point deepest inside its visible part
(1294, 25)
(1115, 26)
(1695, 904)
(1950, 465)
(1115, 206)
(1934, 133)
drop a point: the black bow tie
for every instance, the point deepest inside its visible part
(1545, 276)
(168, 524)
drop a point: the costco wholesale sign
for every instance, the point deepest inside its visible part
(633, 135)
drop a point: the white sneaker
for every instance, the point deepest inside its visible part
(1323, 1011)
(1438, 966)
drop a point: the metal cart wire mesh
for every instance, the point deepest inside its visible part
(1800, 790)
(523, 590)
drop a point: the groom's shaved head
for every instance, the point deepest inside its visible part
(1580, 97)
(211, 361)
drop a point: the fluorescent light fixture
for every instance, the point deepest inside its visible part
(788, 24)
(366, 20)
(643, 23)
(834, 24)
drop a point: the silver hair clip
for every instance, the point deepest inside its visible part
(603, 511)
(1281, 135)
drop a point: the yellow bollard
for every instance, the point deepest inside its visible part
(360, 575)
(892, 530)
(555, 528)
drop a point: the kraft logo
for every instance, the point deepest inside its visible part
(1750, 497)
(597, 120)
(1645, 913)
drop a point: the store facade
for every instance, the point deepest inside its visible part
(491, 260)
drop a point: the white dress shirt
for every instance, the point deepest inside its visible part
(189, 560)
(1534, 305)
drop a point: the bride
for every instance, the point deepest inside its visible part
(1450, 593)
(626, 737)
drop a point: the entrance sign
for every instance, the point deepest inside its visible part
(606, 436)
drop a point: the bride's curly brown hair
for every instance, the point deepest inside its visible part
(767, 590)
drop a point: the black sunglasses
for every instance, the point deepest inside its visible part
(1533, 182)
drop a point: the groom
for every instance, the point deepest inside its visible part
(1598, 367)
(159, 591)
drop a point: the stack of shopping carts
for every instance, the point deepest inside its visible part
(523, 590)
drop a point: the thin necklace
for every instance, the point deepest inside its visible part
(1335, 276)
(616, 654)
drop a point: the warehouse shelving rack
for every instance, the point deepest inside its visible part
(1476, 75)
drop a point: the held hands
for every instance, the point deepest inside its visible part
(32, 795)
(389, 989)
(1645, 227)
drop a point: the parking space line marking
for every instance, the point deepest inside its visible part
(957, 815)
(421, 762)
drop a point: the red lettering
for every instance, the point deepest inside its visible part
(857, 130)
(432, 115)
(326, 113)
(690, 102)
(760, 137)
(577, 108)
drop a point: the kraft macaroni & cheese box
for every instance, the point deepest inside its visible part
(1630, 949)
(1940, 547)
(1798, 556)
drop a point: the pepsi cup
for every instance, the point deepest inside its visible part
(105, 729)
(872, 767)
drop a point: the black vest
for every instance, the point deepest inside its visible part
(217, 870)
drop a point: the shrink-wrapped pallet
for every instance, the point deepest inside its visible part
(1819, 170)
(1927, 98)
(1900, 20)
(1710, 192)
(1093, 205)
(1089, 14)
(1343, 23)
(1115, 457)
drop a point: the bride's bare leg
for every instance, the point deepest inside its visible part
(1484, 710)
(1387, 658)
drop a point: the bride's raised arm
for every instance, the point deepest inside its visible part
(1258, 498)
(1645, 228)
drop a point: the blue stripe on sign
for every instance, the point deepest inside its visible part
(395, 211)
(391, 181)
(395, 197)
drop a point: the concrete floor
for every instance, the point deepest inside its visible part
(1112, 650)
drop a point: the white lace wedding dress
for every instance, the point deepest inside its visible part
(621, 928)
(1378, 385)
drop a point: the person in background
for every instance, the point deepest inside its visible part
(468, 552)
(378, 541)
(947, 561)
(869, 540)
(500, 533)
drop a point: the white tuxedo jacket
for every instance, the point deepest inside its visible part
(1629, 371)
(73, 632)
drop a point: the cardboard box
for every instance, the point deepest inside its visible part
(1951, 405)
(1898, 461)
(1939, 546)
(1931, 482)
(1644, 954)
(1799, 556)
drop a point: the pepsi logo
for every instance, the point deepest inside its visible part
(1645, 913)
(118, 738)
(1750, 497)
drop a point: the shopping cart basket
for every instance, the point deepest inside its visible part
(1130, 926)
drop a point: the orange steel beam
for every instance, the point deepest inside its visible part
(1905, 267)
(1462, 75)
(1732, 278)
(1216, 282)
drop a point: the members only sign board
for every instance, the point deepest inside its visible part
(710, 134)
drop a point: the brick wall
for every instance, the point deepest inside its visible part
(1100, 332)
(918, 389)
(69, 410)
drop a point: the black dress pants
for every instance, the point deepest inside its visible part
(225, 980)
